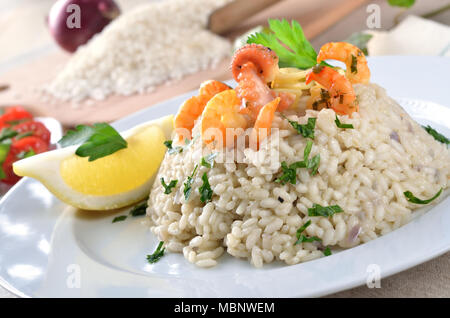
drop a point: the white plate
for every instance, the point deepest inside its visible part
(49, 249)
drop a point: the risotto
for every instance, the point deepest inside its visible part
(252, 214)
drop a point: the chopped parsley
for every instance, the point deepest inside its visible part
(306, 130)
(99, 140)
(188, 184)
(208, 161)
(172, 150)
(157, 254)
(301, 238)
(340, 125)
(353, 65)
(289, 43)
(139, 209)
(4, 150)
(205, 189)
(327, 211)
(168, 188)
(413, 199)
(290, 172)
(26, 154)
(119, 218)
(437, 136)
(327, 251)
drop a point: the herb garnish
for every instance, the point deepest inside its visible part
(26, 154)
(327, 251)
(99, 140)
(139, 209)
(205, 189)
(353, 65)
(327, 211)
(301, 238)
(168, 188)
(289, 43)
(340, 125)
(290, 172)
(4, 150)
(413, 199)
(157, 254)
(306, 130)
(208, 161)
(172, 150)
(119, 218)
(188, 184)
(24, 134)
(437, 136)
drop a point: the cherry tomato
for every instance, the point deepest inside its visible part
(13, 114)
(19, 147)
(36, 128)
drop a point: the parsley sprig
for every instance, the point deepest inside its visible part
(413, 199)
(290, 172)
(289, 42)
(188, 184)
(326, 211)
(97, 141)
(208, 160)
(205, 189)
(306, 130)
(437, 136)
(301, 238)
(341, 125)
(157, 254)
(168, 187)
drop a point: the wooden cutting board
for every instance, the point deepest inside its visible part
(25, 81)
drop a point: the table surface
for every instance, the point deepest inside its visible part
(24, 37)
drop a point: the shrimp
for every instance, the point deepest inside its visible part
(357, 70)
(194, 106)
(341, 96)
(263, 123)
(220, 113)
(254, 66)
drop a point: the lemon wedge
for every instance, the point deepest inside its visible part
(111, 182)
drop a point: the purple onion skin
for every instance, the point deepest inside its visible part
(94, 16)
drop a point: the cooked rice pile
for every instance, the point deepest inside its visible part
(363, 170)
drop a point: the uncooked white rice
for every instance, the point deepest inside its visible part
(363, 170)
(148, 46)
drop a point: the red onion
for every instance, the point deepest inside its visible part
(73, 22)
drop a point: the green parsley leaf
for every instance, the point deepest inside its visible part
(4, 150)
(7, 133)
(290, 172)
(98, 141)
(157, 254)
(289, 43)
(340, 125)
(205, 189)
(139, 209)
(168, 188)
(360, 40)
(413, 199)
(327, 211)
(301, 238)
(437, 136)
(353, 65)
(313, 164)
(208, 161)
(188, 184)
(172, 150)
(402, 3)
(306, 130)
(119, 218)
(327, 251)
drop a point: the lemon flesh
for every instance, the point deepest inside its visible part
(120, 179)
(120, 172)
